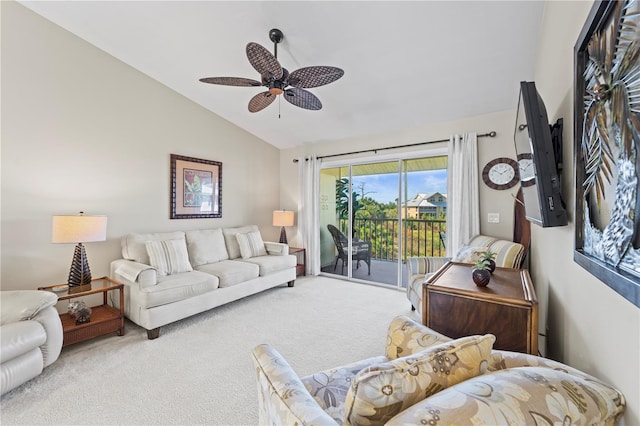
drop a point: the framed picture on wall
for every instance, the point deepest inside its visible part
(607, 132)
(196, 188)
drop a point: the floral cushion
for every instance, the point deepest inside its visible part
(519, 396)
(380, 392)
(406, 336)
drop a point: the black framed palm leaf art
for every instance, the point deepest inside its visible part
(607, 136)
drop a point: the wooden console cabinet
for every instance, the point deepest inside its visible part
(453, 305)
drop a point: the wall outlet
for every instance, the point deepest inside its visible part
(493, 218)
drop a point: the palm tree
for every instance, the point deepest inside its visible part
(611, 108)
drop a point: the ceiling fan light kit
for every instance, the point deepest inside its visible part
(278, 80)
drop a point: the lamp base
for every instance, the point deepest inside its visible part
(283, 236)
(79, 274)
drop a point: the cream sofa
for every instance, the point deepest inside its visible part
(30, 335)
(508, 255)
(425, 378)
(173, 275)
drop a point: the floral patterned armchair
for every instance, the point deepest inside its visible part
(427, 378)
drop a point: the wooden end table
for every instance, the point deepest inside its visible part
(453, 305)
(105, 319)
(301, 254)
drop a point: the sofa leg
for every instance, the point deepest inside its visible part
(291, 283)
(153, 334)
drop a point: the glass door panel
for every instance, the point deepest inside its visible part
(375, 215)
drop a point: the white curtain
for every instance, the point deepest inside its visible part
(309, 211)
(463, 205)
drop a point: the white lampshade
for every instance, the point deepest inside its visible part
(282, 218)
(79, 229)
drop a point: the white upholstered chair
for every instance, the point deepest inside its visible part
(30, 335)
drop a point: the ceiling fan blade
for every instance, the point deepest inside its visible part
(231, 81)
(314, 76)
(302, 98)
(261, 101)
(263, 61)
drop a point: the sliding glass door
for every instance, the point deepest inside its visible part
(374, 215)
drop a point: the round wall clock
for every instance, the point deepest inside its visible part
(526, 169)
(501, 173)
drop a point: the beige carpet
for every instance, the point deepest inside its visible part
(200, 371)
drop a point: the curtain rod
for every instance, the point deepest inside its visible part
(491, 134)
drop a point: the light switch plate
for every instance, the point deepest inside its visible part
(493, 218)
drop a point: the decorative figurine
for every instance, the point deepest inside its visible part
(79, 310)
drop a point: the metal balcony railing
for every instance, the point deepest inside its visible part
(421, 237)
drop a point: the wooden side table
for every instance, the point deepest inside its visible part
(105, 319)
(301, 255)
(453, 305)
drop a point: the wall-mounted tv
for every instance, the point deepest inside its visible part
(539, 155)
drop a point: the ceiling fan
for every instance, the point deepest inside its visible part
(278, 79)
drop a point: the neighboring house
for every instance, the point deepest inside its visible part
(433, 204)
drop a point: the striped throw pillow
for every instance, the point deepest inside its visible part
(169, 256)
(251, 245)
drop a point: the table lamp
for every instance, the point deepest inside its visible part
(283, 218)
(79, 229)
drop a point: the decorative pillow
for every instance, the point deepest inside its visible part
(134, 248)
(169, 256)
(380, 392)
(508, 253)
(468, 254)
(251, 245)
(230, 240)
(406, 337)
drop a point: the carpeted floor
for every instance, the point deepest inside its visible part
(200, 371)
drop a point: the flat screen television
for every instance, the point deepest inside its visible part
(539, 155)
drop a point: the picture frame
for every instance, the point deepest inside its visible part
(196, 188)
(606, 129)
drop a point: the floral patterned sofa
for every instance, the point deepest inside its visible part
(427, 378)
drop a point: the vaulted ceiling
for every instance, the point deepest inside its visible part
(406, 64)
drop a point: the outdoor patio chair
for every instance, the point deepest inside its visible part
(360, 250)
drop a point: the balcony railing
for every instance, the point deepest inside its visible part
(421, 237)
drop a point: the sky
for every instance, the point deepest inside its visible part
(384, 188)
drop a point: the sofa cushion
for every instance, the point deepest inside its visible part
(176, 287)
(231, 272)
(251, 245)
(169, 256)
(518, 396)
(269, 264)
(380, 392)
(133, 245)
(206, 246)
(230, 240)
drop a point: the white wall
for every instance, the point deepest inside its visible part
(83, 131)
(591, 327)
